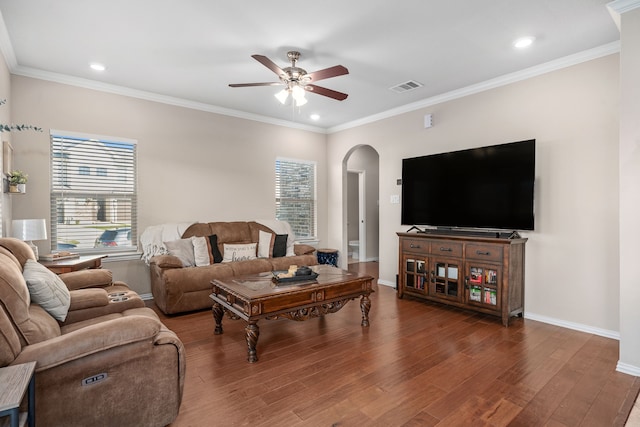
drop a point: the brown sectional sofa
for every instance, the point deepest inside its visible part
(179, 289)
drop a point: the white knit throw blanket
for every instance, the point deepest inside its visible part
(153, 238)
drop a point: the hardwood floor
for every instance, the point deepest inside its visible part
(418, 364)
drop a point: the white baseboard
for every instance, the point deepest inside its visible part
(625, 368)
(146, 297)
(575, 326)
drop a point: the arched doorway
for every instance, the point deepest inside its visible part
(361, 223)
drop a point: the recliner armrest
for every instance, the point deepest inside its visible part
(303, 249)
(90, 278)
(88, 298)
(90, 340)
(166, 261)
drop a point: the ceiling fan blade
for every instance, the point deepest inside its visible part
(255, 84)
(326, 92)
(337, 70)
(269, 64)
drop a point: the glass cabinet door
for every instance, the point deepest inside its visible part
(415, 273)
(445, 279)
(482, 285)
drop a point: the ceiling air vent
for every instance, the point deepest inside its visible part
(403, 87)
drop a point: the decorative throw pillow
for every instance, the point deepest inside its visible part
(47, 290)
(239, 252)
(201, 251)
(183, 249)
(280, 245)
(215, 251)
(264, 244)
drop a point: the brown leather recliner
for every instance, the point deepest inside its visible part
(111, 362)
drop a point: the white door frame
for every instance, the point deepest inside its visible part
(362, 214)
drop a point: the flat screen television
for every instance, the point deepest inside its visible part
(489, 188)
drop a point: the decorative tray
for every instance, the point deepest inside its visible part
(294, 279)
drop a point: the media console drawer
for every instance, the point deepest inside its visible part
(416, 245)
(446, 248)
(483, 252)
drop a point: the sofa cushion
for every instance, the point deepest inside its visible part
(239, 251)
(9, 342)
(253, 266)
(183, 249)
(280, 245)
(40, 327)
(215, 250)
(265, 244)
(202, 251)
(47, 289)
(283, 263)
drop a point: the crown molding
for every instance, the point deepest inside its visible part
(618, 7)
(622, 6)
(527, 73)
(154, 97)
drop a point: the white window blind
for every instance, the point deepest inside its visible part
(93, 194)
(296, 195)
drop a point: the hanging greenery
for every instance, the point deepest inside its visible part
(12, 127)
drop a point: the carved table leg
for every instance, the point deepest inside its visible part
(218, 313)
(253, 332)
(365, 306)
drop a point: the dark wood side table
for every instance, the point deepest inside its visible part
(74, 264)
(14, 382)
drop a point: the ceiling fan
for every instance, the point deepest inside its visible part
(296, 80)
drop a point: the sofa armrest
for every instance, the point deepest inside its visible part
(90, 278)
(90, 340)
(166, 261)
(82, 299)
(302, 249)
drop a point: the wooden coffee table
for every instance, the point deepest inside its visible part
(256, 297)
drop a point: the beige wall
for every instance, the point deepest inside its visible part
(572, 256)
(193, 165)
(630, 191)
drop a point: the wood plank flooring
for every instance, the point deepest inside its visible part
(418, 364)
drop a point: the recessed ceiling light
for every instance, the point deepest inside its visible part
(97, 67)
(523, 42)
(315, 117)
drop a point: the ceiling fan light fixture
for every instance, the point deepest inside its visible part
(282, 96)
(297, 93)
(301, 101)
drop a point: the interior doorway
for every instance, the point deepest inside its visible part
(356, 216)
(361, 212)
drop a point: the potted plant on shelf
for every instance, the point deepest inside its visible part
(17, 181)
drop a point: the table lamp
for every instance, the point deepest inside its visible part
(30, 230)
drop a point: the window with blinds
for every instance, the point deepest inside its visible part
(93, 194)
(296, 195)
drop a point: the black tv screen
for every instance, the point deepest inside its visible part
(487, 188)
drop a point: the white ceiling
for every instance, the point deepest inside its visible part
(187, 52)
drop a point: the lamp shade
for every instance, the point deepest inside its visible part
(29, 229)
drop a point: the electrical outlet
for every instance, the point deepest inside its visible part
(395, 199)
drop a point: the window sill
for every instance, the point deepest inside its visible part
(121, 256)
